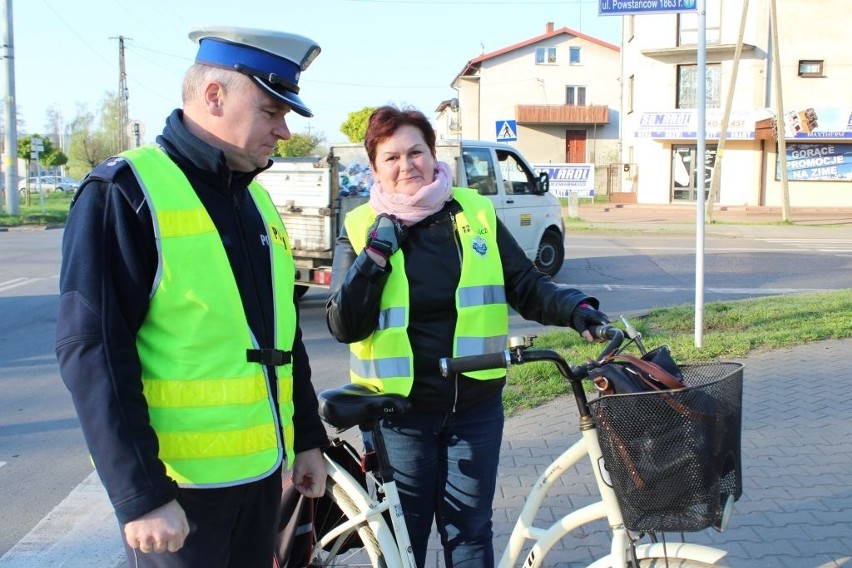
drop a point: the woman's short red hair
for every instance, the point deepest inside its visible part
(386, 120)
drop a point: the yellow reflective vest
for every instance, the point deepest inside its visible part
(211, 409)
(384, 360)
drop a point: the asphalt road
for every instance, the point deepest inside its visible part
(44, 468)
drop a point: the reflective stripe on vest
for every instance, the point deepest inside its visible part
(384, 360)
(211, 409)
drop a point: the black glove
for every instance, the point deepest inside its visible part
(386, 235)
(585, 316)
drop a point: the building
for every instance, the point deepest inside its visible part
(661, 79)
(554, 96)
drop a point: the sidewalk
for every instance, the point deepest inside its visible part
(727, 219)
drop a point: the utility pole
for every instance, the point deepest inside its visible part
(123, 96)
(10, 156)
(723, 127)
(780, 128)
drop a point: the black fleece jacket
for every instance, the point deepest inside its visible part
(109, 261)
(433, 269)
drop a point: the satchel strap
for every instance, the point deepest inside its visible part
(652, 369)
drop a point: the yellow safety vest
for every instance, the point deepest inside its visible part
(211, 408)
(384, 360)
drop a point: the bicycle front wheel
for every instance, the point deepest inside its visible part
(357, 546)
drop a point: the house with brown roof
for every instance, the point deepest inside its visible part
(554, 96)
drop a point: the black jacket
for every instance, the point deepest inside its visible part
(109, 260)
(433, 269)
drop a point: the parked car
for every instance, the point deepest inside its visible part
(48, 184)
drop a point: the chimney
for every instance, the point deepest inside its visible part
(549, 28)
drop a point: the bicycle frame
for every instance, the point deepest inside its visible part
(397, 549)
(395, 544)
(545, 538)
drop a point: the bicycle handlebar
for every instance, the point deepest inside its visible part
(452, 365)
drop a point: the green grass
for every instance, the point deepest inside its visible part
(732, 330)
(55, 210)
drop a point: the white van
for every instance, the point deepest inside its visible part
(520, 196)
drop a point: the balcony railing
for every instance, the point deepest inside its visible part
(562, 114)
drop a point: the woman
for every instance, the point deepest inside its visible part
(424, 271)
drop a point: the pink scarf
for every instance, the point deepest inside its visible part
(411, 209)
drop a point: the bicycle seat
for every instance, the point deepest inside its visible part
(353, 404)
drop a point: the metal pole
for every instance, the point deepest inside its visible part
(10, 156)
(700, 163)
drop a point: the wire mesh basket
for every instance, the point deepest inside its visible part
(674, 456)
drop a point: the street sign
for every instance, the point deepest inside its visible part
(633, 7)
(507, 130)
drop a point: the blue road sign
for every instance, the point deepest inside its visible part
(507, 130)
(633, 7)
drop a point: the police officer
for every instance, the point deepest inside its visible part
(178, 332)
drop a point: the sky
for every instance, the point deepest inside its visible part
(374, 52)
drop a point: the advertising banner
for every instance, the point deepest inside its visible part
(566, 179)
(683, 124)
(818, 162)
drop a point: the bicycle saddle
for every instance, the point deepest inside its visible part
(352, 404)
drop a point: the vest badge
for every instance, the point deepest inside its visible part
(479, 245)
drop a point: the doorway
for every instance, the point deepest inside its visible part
(685, 171)
(575, 146)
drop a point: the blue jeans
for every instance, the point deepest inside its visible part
(446, 469)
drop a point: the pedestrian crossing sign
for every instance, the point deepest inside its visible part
(507, 130)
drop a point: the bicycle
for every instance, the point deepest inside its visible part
(373, 512)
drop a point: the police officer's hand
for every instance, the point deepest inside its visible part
(162, 530)
(309, 473)
(585, 316)
(386, 235)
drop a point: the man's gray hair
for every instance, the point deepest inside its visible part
(200, 74)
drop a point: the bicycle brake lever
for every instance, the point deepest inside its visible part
(634, 335)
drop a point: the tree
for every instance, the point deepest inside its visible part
(355, 125)
(299, 145)
(50, 156)
(93, 141)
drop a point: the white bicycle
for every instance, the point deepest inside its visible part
(370, 528)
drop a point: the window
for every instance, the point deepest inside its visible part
(574, 55)
(545, 55)
(810, 68)
(630, 24)
(517, 179)
(687, 86)
(687, 24)
(480, 170)
(575, 95)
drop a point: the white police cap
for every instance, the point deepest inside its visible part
(273, 60)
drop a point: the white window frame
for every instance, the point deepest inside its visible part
(575, 50)
(578, 91)
(545, 55)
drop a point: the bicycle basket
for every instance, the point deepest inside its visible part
(674, 456)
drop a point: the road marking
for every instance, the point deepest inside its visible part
(833, 246)
(15, 282)
(80, 532)
(748, 291)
